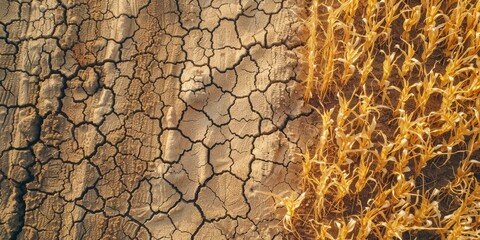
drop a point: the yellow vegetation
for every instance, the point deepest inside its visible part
(397, 151)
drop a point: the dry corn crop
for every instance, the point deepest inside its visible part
(396, 85)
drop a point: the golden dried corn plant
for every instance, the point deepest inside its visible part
(397, 88)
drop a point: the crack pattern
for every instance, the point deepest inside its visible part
(148, 119)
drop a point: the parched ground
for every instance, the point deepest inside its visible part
(148, 119)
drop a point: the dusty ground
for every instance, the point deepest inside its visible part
(148, 119)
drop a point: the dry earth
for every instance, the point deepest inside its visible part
(148, 119)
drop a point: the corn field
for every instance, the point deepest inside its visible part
(396, 85)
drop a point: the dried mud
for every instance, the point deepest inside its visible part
(149, 119)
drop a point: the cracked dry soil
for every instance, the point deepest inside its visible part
(149, 119)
